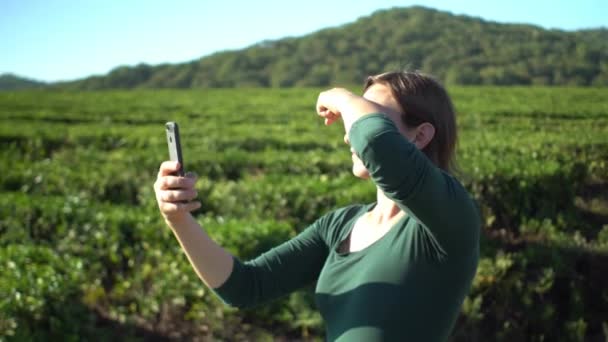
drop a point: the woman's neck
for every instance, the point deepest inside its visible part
(385, 210)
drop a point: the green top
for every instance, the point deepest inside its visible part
(408, 285)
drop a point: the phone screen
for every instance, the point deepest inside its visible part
(175, 147)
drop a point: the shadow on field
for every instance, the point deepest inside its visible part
(592, 205)
(116, 331)
(570, 306)
(71, 320)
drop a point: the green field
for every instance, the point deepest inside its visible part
(84, 253)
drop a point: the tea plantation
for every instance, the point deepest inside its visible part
(84, 253)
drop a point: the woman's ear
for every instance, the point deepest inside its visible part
(424, 134)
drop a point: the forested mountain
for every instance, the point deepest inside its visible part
(457, 49)
(13, 82)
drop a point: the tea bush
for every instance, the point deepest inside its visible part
(85, 254)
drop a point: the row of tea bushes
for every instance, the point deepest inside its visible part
(85, 254)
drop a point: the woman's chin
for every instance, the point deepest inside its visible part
(360, 172)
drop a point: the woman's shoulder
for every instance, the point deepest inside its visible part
(346, 212)
(333, 224)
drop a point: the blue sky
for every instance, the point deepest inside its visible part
(54, 40)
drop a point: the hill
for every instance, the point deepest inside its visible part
(13, 82)
(457, 49)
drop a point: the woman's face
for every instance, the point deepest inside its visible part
(382, 95)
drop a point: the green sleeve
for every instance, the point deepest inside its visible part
(405, 174)
(279, 271)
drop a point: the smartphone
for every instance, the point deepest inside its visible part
(175, 146)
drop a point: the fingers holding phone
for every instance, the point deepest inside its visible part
(175, 190)
(175, 194)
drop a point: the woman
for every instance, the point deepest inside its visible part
(394, 270)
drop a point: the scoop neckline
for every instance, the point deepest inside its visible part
(352, 223)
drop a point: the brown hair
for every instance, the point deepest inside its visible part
(424, 99)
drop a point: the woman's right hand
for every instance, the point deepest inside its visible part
(175, 194)
(339, 103)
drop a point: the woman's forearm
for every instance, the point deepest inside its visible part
(211, 262)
